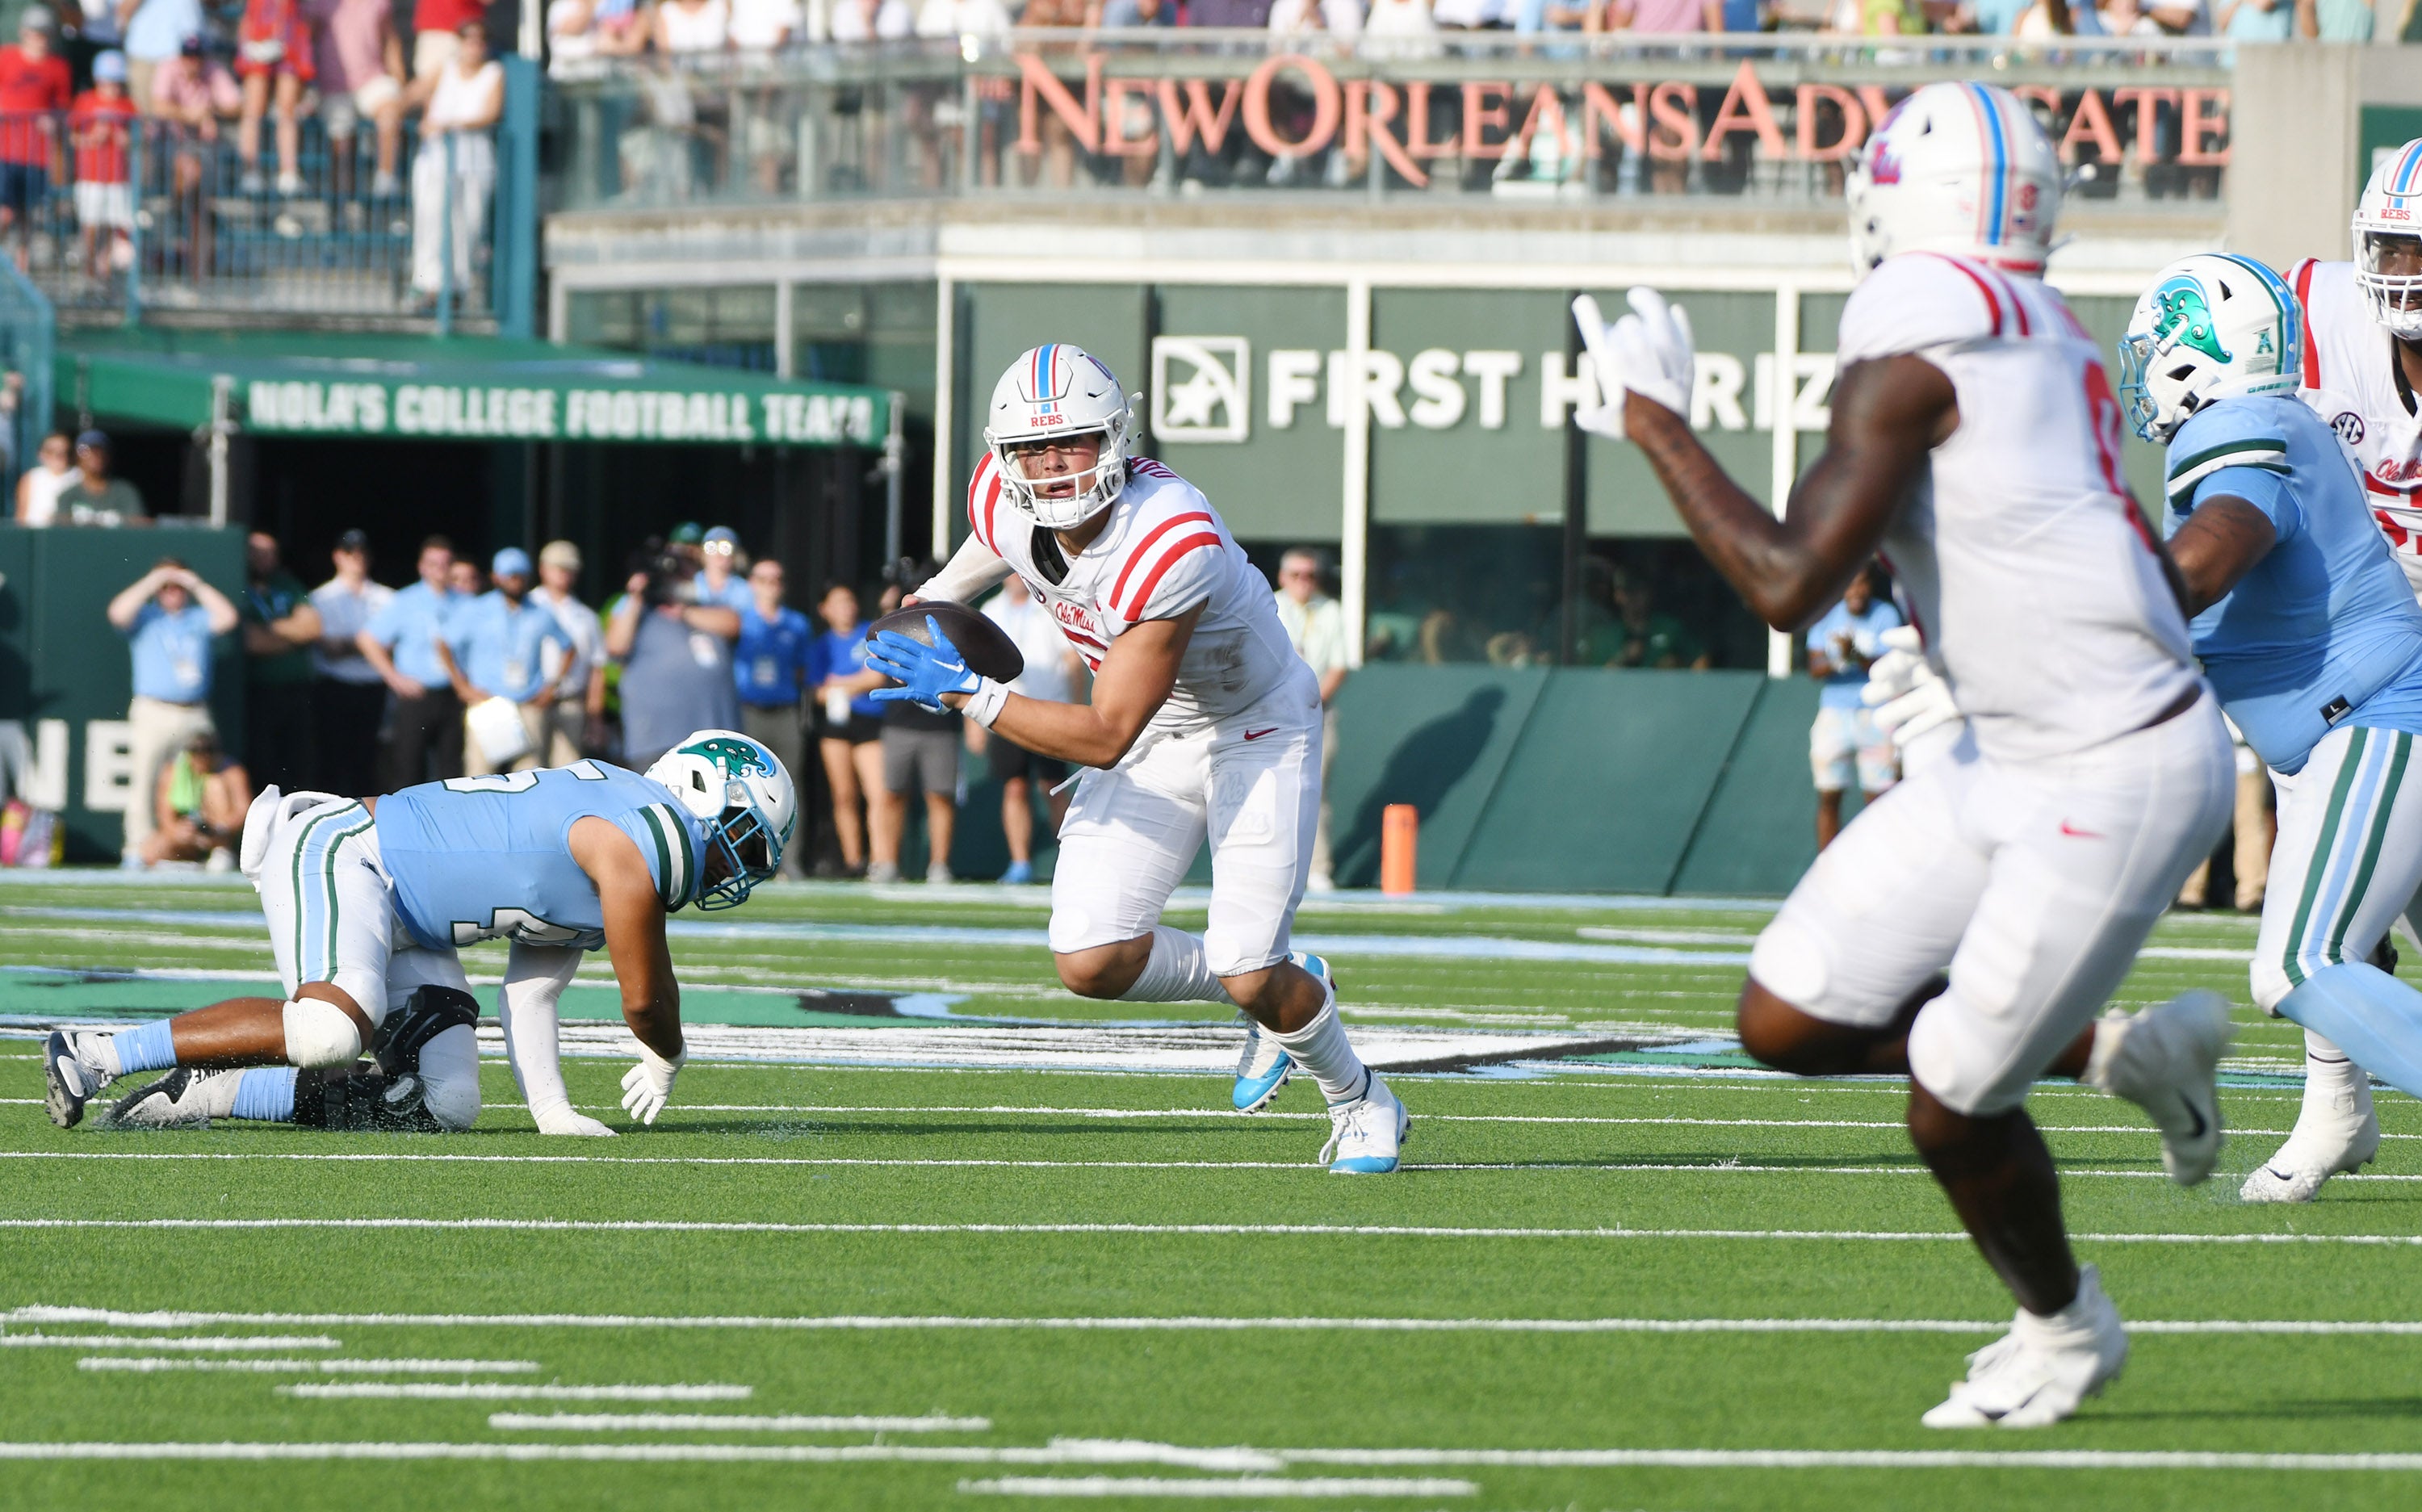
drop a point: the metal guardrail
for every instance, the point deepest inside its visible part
(1547, 117)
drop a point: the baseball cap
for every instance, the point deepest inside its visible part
(354, 541)
(97, 440)
(510, 563)
(196, 45)
(562, 554)
(110, 66)
(687, 533)
(723, 535)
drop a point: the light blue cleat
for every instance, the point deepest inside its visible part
(1364, 1135)
(1265, 1067)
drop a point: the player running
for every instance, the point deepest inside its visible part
(1976, 442)
(369, 900)
(1201, 720)
(2313, 640)
(2361, 358)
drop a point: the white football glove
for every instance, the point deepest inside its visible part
(648, 1086)
(1913, 703)
(1649, 351)
(565, 1120)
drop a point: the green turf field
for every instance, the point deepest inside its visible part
(935, 1235)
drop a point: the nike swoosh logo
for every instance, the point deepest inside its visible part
(2075, 833)
(1256, 734)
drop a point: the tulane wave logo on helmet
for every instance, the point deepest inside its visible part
(737, 758)
(2182, 314)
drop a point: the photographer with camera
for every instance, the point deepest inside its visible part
(197, 806)
(676, 659)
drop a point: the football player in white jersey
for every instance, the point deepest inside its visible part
(1975, 442)
(1201, 720)
(2360, 362)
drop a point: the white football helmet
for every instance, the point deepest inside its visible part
(1961, 168)
(740, 790)
(2390, 213)
(2212, 327)
(1053, 392)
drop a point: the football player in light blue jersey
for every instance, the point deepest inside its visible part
(2312, 639)
(369, 901)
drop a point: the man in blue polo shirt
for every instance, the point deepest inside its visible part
(169, 617)
(402, 642)
(505, 644)
(719, 579)
(770, 665)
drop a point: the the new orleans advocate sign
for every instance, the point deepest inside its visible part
(1400, 119)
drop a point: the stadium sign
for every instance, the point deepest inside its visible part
(1482, 118)
(443, 411)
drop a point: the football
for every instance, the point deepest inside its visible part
(986, 647)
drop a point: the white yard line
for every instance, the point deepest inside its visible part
(481, 1391)
(728, 1423)
(1258, 1488)
(151, 1365)
(130, 1340)
(1430, 1231)
(914, 1323)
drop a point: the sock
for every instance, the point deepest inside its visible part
(1179, 971)
(2331, 1079)
(265, 1091)
(2377, 1019)
(144, 1047)
(533, 1037)
(1322, 1048)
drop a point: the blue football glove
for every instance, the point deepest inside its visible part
(923, 673)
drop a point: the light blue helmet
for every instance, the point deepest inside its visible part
(2214, 326)
(740, 792)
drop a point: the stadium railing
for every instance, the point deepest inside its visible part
(1472, 117)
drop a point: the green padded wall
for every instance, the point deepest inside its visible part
(1435, 737)
(1758, 831)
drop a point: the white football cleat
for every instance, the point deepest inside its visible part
(70, 1076)
(181, 1099)
(1365, 1134)
(2037, 1373)
(2162, 1059)
(2323, 1146)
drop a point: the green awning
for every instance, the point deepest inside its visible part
(451, 388)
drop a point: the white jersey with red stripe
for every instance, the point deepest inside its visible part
(2350, 379)
(2027, 564)
(1164, 552)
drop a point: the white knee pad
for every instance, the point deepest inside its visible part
(2269, 982)
(320, 1035)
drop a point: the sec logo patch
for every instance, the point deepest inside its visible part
(2349, 425)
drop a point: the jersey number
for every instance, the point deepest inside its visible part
(519, 781)
(517, 924)
(2103, 409)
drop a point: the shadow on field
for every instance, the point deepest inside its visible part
(2360, 1406)
(1211, 1125)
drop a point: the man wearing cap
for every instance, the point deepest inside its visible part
(169, 617)
(95, 497)
(575, 720)
(34, 82)
(400, 643)
(155, 34)
(503, 646)
(719, 579)
(349, 698)
(281, 626)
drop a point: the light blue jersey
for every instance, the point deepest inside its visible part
(2323, 630)
(484, 857)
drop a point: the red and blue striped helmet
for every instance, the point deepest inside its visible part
(1057, 391)
(2390, 211)
(1959, 169)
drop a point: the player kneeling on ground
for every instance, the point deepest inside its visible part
(369, 901)
(2311, 636)
(1974, 441)
(1201, 720)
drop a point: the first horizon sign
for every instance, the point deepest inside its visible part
(508, 411)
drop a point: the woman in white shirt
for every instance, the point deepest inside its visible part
(463, 103)
(690, 26)
(39, 491)
(873, 21)
(1341, 19)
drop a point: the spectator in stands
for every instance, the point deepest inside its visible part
(920, 754)
(2336, 21)
(348, 696)
(464, 578)
(1651, 638)
(1558, 15)
(1846, 743)
(996, 97)
(169, 617)
(849, 720)
(1127, 13)
(34, 82)
(503, 647)
(360, 67)
(54, 469)
(104, 199)
(576, 720)
(580, 32)
(676, 659)
(1315, 627)
(2257, 20)
(437, 36)
(280, 626)
(195, 91)
(1398, 26)
(771, 663)
(1053, 672)
(693, 26)
(275, 59)
(762, 26)
(871, 20)
(425, 734)
(465, 97)
(156, 33)
(95, 497)
(1669, 17)
(719, 578)
(197, 806)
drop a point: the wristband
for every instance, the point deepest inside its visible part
(985, 704)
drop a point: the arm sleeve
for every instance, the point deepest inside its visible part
(2239, 449)
(972, 569)
(1919, 301)
(535, 977)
